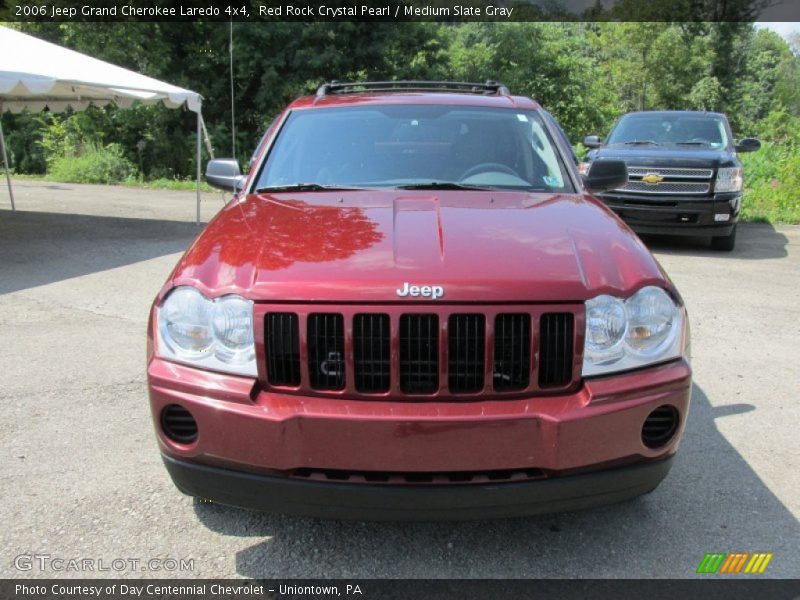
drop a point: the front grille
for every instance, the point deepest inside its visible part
(419, 354)
(326, 351)
(666, 187)
(555, 349)
(440, 352)
(465, 353)
(677, 172)
(283, 349)
(371, 348)
(512, 352)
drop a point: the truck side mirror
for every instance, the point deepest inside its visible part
(606, 175)
(592, 141)
(225, 174)
(748, 145)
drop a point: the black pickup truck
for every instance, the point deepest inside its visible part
(684, 174)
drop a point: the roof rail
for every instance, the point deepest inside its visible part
(489, 88)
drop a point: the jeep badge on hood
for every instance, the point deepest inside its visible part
(434, 292)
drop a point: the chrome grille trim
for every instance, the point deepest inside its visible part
(666, 187)
(676, 172)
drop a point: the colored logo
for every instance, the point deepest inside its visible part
(734, 563)
(652, 178)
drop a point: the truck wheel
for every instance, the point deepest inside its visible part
(725, 243)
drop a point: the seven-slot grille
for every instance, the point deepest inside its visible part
(675, 180)
(438, 352)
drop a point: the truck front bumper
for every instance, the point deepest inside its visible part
(415, 502)
(252, 446)
(715, 215)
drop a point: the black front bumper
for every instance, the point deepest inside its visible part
(362, 501)
(676, 215)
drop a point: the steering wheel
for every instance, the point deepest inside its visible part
(488, 166)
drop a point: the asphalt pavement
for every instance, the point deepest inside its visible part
(82, 477)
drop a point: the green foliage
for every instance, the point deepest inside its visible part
(772, 183)
(94, 164)
(168, 184)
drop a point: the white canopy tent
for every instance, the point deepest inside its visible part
(35, 74)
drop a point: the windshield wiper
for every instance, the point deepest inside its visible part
(442, 185)
(306, 187)
(692, 143)
(640, 143)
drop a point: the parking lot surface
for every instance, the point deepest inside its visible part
(82, 477)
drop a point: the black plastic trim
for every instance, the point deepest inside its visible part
(415, 502)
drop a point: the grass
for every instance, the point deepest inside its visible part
(772, 184)
(155, 184)
(169, 184)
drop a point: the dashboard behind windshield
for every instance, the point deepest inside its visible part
(414, 145)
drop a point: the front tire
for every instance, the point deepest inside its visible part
(725, 243)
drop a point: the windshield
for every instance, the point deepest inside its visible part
(414, 146)
(690, 130)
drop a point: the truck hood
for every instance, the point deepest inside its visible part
(666, 156)
(363, 246)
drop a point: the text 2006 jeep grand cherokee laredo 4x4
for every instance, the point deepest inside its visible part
(414, 309)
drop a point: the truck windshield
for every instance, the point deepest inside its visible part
(414, 146)
(689, 130)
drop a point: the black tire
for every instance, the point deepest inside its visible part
(726, 243)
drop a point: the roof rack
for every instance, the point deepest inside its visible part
(489, 88)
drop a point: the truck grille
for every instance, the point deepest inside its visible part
(423, 352)
(512, 352)
(326, 351)
(419, 354)
(466, 352)
(667, 187)
(371, 348)
(283, 349)
(677, 173)
(676, 180)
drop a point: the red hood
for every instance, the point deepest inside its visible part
(363, 246)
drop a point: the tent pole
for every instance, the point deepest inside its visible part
(5, 164)
(199, 126)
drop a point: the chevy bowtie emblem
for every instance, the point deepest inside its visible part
(652, 178)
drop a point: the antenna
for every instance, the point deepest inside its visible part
(233, 104)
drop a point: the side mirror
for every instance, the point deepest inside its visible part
(225, 174)
(748, 145)
(606, 175)
(592, 141)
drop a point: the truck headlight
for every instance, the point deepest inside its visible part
(232, 325)
(645, 329)
(211, 334)
(729, 179)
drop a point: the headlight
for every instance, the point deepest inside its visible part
(606, 324)
(729, 179)
(232, 325)
(644, 329)
(211, 334)
(186, 323)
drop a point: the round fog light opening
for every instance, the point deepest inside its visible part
(660, 426)
(178, 424)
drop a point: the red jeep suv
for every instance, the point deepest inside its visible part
(414, 308)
